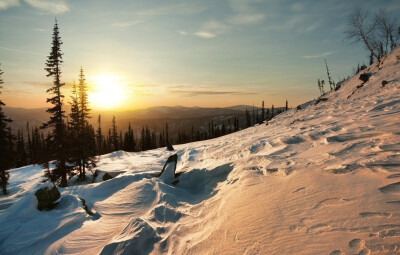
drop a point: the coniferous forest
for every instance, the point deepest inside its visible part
(68, 145)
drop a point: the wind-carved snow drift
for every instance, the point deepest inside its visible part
(321, 180)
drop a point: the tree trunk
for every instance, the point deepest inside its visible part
(64, 182)
(5, 190)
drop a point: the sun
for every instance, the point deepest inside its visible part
(107, 92)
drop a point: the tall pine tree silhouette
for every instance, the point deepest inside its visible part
(86, 147)
(114, 137)
(58, 135)
(99, 137)
(6, 144)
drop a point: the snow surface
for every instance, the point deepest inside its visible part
(321, 180)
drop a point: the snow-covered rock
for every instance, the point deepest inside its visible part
(46, 196)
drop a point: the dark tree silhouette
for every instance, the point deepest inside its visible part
(21, 156)
(331, 82)
(129, 140)
(99, 137)
(114, 136)
(58, 141)
(6, 144)
(86, 133)
(262, 112)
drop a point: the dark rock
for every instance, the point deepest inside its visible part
(169, 147)
(298, 107)
(323, 99)
(338, 85)
(173, 158)
(365, 77)
(107, 176)
(46, 198)
(384, 83)
(95, 174)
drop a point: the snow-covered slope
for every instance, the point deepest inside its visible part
(321, 180)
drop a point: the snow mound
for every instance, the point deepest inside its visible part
(138, 237)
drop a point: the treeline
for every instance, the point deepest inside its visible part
(67, 144)
(258, 116)
(32, 145)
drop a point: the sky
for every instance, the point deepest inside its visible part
(208, 53)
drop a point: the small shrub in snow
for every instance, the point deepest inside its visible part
(365, 77)
(169, 147)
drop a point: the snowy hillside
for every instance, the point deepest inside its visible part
(321, 180)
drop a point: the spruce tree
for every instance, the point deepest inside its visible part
(262, 112)
(143, 140)
(74, 131)
(58, 141)
(166, 135)
(6, 144)
(272, 111)
(30, 153)
(286, 106)
(161, 140)
(21, 152)
(74, 115)
(99, 137)
(85, 134)
(129, 140)
(248, 120)
(148, 139)
(120, 140)
(114, 136)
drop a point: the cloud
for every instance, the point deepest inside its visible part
(211, 29)
(21, 51)
(301, 23)
(5, 4)
(181, 32)
(324, 54)
(244, 12)
(205, 34)
(297, 6)
(40, 29)
(192, 93)
(50, 6)
(176, 9)
(245, 19)
(126, 24)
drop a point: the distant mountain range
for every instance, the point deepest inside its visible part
(177, 117)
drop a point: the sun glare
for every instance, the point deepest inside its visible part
(107, 92)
